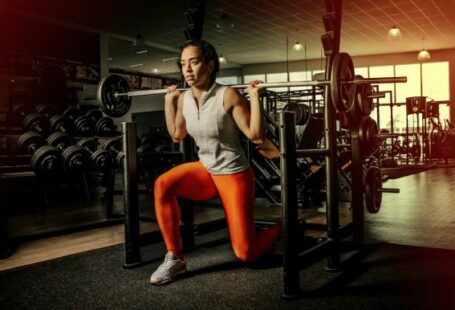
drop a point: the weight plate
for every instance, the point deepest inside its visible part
(302, 112)
(95, 114)
(46, 160)
(36, 122)
(373, 184)
(342, 92)
(368, 132)
(62, 123)
(29, 141)
(72, 113)
(119, 160)
(104, 127)
(364, 103)
(87, 143)
(112, 105)
(75, 159)
(84, 126)
(59, 139)
(112, 144)
(101, 160)
(45, 110)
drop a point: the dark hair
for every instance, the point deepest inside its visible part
(208, 52)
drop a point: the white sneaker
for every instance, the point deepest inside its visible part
(168, 270)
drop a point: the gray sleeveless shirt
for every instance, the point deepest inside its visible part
(214, 131)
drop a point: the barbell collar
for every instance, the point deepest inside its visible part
(381, 80)
(387, 135)
(376, 95)
(388, 190)
(399, 79)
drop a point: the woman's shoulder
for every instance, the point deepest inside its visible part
(231, 98)
(182, 97)
(230, 92)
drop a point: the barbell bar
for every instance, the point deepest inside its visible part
(114, 93)
(400, 79)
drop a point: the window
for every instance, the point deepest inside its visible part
(299, 76)
(361, 71)
(383, 71)
(277, 77)
(384, 111)
(412, 87)
(313, 73)
(249, 78)
(228, 80)
(435, 85)
(435, 80)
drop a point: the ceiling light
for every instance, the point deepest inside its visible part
(169, 59)
(394, 33)
(222, 59)
(144, 51)
(423, 55)
(156, 70)
(135, 65)
(297, 46)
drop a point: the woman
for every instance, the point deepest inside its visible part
(212, 114)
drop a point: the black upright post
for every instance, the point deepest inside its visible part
(407, 138)
(357, 186)
(109, 178)
(130, 196)
(5, 249)
(187, 206)
(288, 163)
(333, 261)
(195, 20)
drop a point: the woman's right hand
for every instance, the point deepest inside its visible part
(172, 94)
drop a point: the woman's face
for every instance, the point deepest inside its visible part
(194, 68)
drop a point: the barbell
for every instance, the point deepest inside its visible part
(114, 93)
(369, 135)
(373, 189)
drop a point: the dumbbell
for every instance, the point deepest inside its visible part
(83, 124)
(29, 120)
(104, 126)
(75, 158)
(58, 122)
(45, 159)
(114, 147)
(101, 159)
(93, 121)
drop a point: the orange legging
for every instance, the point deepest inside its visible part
(236, 191)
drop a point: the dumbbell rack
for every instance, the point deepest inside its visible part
(14, 170)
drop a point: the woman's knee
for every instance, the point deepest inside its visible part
(244, 253)
(162, 186)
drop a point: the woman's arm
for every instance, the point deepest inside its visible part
(175, 122)
(249, 120)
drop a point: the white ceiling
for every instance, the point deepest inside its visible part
(254, 31)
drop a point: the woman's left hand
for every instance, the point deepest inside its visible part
(254, 89)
